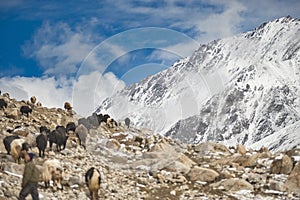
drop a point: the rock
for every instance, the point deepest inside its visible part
(182, 165)
(241, 149)
(251, 161)
(23, 131)
(282, 166)
(205, 148)
(233, 184)
(113, 144)
(293, 181)
(202, 174)
(12, 113)
(178, 167)
(276, 185)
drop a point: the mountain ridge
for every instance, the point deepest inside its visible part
(258, 70)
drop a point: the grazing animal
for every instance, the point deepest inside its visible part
(127, 122)
(5, 95)
(85, 122)
(3, 104)
(93, 120)
(59, 137)
(41, 142)
(33, 99)
(52, 170)
(17, 149)
(100, 118)
(44, 129)
(110, 122)
(105, 117)
(39, 104)
(8, 140)
(93, 181)
(81, 132)
(70, 127)
(25, 110)
(67, 106)
(51, 138)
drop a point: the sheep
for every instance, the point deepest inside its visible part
(93, 181)
(5, 95)
(59, 137)
(70, 127)
(105, 117)
(33, 99)
(39, 104)
(93, 120)
(52, 170)
(17, 147)
(82, 132)
(26, 110)
(41, 141)
(100, 118)
(44, 129)
(110, 122)
(8, 140)
(127, 122)
(51, 138)
(85, 122)
(68, 106)
(3, 104)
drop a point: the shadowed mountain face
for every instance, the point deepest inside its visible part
(240, 89)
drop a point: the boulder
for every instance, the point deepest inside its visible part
(241, 149)
(282, 166)
(12, 113)
(202, 174)
(233, 184)
(293, 181)
(113, 144)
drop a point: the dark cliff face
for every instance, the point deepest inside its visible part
(244, 116)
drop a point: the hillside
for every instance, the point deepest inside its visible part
(137, 164)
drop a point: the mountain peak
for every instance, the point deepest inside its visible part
(237, 89)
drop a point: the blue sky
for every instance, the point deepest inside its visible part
(46, 46)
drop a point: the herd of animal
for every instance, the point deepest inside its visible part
(52, 170)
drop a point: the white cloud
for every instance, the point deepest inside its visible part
(90, 90)
(220, 25)
(51, 92)
(86, 93)
(59, 49)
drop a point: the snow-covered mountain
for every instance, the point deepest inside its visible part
(240, 89)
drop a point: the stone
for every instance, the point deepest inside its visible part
(113, 144)
(282, 166)
(182, 165)
(202, 174)
(251, 161)
(233, 184)
(287, 165)
(241, 149)
(12, 113)
(276, 185)
(292, 183)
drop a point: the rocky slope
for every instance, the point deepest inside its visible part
(234, 90)
(137, 164)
